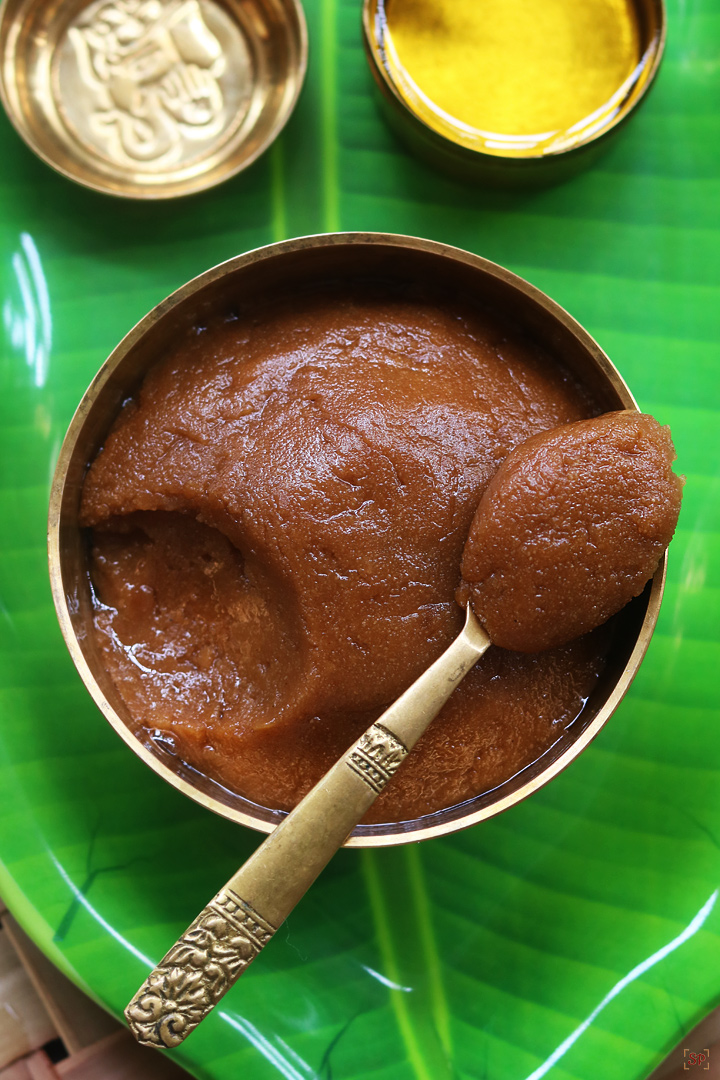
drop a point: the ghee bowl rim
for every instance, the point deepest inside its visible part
(477, 162)
(120, 374)
(31, 96)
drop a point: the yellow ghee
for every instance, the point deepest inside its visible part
(527, 70)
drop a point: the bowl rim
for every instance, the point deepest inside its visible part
(404, 832)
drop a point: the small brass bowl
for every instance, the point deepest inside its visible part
(150, 99)
(502, 159)
(267, 272)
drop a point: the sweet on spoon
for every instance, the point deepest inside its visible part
(571, 527)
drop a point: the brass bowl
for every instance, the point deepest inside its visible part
(150, 101)
(503, 161)
(263, 273)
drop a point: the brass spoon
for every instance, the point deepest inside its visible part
(244, 915)
(230, 932)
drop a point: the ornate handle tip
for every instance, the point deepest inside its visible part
(199, 969)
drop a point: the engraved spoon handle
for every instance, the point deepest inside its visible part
(229, 933)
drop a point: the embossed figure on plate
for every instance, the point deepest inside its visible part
(151, 79)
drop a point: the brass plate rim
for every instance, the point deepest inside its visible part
(373, 51)
(10, 99)
(396, 832)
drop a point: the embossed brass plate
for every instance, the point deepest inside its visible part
(263, 273)
(150, 99)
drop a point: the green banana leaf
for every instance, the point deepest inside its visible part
(575, 936)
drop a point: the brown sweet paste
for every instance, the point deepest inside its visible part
(571, 528)
(278, 519)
